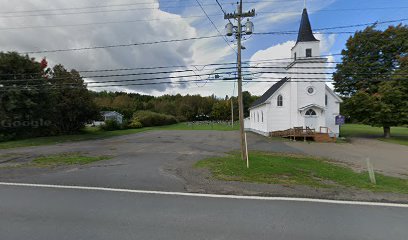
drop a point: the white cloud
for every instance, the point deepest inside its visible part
(326, 42)
(180, 53)
(280, 51)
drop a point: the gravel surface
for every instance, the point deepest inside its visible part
(163, 160)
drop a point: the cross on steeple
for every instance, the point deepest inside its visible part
(304, 4)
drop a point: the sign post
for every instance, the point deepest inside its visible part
(340, 120)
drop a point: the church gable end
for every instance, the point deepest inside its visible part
(269, 92)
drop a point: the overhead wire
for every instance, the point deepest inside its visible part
(215, 26)
(121, 45)
(322, 80)
(201, 74)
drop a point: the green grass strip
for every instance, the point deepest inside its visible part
(296, 170)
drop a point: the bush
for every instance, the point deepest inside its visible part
(149, 119)
(135, 124)
(110, 125)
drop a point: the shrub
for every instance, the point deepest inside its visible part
(110, 125)
(135, 124)
(149, 119)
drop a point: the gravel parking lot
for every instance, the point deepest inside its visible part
(162, 160)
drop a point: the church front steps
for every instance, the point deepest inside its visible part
(304, 134)
(323, 137)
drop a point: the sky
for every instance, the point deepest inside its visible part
(36, 25)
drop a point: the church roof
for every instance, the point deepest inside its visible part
(305, 30)
(269, 92)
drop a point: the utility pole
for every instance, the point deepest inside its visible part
(238, 34)
(232, 113)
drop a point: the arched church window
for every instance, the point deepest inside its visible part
(310, 112)
(257, 116)
(325, 99)
(262, 115)
(280, 101)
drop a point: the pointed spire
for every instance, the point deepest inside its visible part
(305, 30)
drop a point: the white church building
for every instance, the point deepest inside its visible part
(302, 99)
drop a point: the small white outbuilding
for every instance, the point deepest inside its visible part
(112, 115)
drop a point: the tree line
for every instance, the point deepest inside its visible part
(36, 100)
(184, 108)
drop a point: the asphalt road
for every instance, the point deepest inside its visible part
(43, 213)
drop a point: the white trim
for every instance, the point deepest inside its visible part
(206, 195)
(256, 106)
(311, 106)
(333, 94)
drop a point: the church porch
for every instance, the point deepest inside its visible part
(306, 134)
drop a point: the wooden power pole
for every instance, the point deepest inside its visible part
(238, 34)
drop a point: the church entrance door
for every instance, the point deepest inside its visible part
(311, 119)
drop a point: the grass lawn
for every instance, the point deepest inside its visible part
(95, 133)
(399, 135)
(296, 170)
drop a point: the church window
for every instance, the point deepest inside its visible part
(262, 115)
(310, 90)
(310, 112)
(257, 116)
(325, 99)
(280, 101)
(294, 56)
(308, 52)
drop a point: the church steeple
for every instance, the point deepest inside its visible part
(305, 30)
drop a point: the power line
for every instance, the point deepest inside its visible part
(204, 66)
(215, 26)
(337, 27)
(196, 38)
(100, 23)
(111, 5)
(196, 16)
(128, 45)
(342, 9)
(118, 75)
(56, 86)
(87, 12)
(202, 74)
(121, 45)
(192, 75)
(138, 9)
